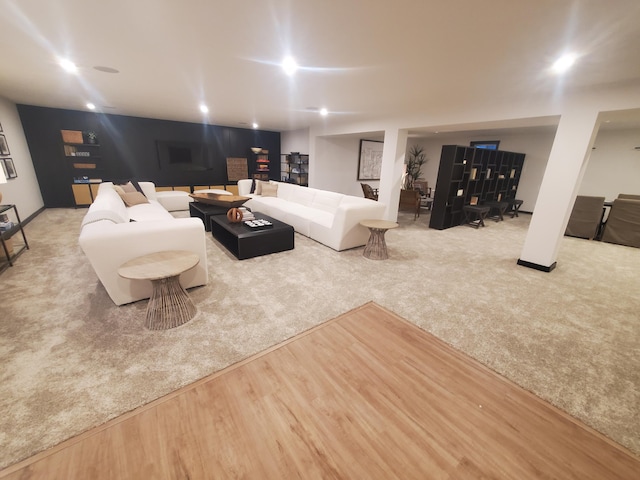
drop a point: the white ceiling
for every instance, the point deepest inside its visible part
(361, 60)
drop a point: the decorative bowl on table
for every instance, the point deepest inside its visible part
(219, 200)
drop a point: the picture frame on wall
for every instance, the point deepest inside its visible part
(1, 128)
(4, 147)
(9, 168)
(4, 168)
(370, 160)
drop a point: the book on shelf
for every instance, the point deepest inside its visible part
(474, 201)
(474, 172)
(513, 173)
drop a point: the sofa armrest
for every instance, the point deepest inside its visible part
(108, 245)
(346, 231)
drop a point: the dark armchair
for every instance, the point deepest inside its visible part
(369, 192)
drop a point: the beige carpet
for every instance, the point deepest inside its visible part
(71, 359)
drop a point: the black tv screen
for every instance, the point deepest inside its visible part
(183, 156)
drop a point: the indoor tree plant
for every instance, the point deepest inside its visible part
(416, 160)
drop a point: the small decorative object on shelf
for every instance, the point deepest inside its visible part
(234, 215)
(92, 137)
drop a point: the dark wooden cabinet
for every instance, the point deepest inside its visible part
(472, 176)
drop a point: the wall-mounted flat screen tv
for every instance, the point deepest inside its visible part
(184, 156)
(486, 144)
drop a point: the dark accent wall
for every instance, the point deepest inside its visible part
(135, 148)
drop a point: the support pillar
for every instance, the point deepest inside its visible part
(395, 146)
(566, 166)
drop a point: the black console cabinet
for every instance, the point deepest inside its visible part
(473, 176)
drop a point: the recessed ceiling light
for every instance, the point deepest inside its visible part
(324, 112)
(564, 63)
(91, 106)
(68, 65)
(254, 125)
(204, 108)
(289, 65)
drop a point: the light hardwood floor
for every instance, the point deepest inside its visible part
(366, 395)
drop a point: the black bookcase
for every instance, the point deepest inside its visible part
(472, 176)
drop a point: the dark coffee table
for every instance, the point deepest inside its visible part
(245, 242)
(205, 212)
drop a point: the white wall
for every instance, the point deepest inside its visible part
(294, 141)
(23, 191)
(338, 169)
(614, 165)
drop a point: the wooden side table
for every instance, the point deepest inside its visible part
(169, 305)
(376, 247)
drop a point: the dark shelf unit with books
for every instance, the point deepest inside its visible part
(295, 168)
(82, 159)
(261, 171)
(472, 176)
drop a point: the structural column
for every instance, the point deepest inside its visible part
(395, 146)
(566, 166)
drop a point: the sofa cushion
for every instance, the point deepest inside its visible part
(133, 198)
(128, 187)
(148, 189)
(326, 201)
(269, 190)
(100, 215)
(303, 196)
(149, 211)
(108, 200)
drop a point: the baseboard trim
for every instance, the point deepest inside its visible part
(535, 266)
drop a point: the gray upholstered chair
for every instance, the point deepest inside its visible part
(586, 217)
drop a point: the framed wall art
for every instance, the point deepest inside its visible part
(370, 160)
(4, 148)
(9, 168)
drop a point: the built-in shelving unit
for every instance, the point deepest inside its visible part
(295, 168)
(262, 165)
(472, 176)
(82, 158)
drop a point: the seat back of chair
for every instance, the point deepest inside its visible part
(368, 191)
(586, 216)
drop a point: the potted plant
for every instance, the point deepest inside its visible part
(92, 137)
(416, 160)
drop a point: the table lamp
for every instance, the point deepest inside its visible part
(3, 179)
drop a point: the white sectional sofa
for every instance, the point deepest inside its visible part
(113, 233)
(330, 218)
